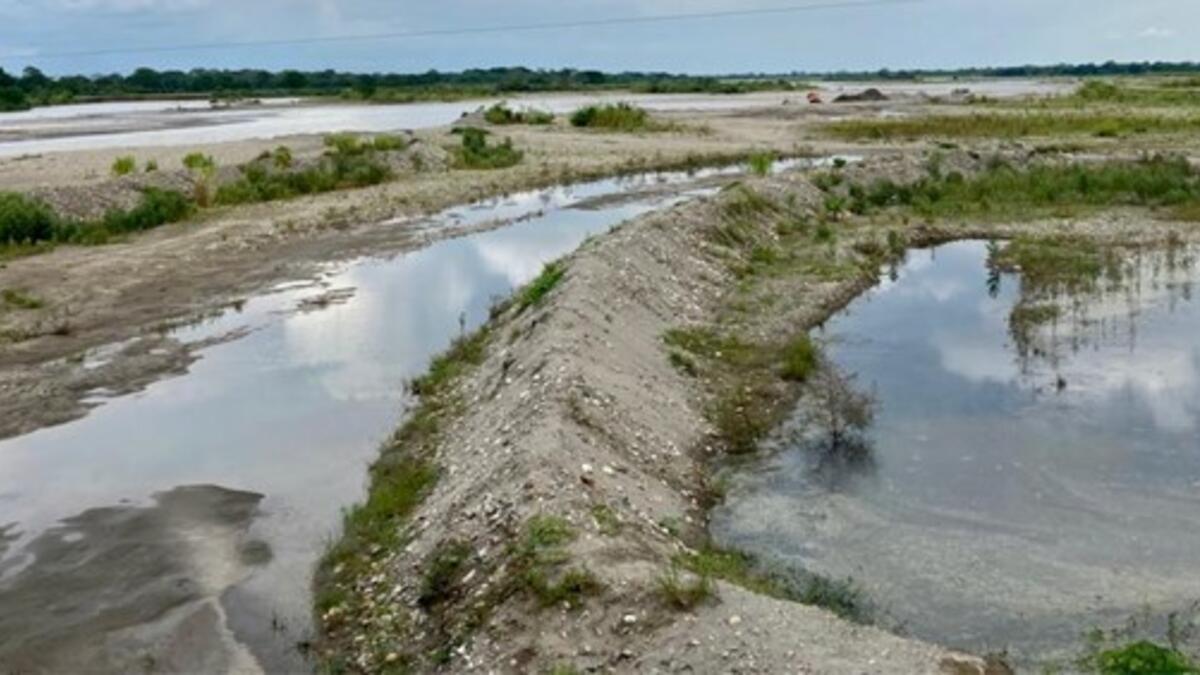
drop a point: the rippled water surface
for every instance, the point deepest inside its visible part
(1018, 491)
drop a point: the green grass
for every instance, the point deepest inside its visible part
(606, 520)
(801, 357)
(612, 117)
(1001, 191)
(501, 115)
(25, 221)
(14, 299)
(1011, 125)
(476, 153)
(760, 163)
(123, 166)
(442, 572)
(1143, 658)
(1053, 264)
(683, 594)
(537, 290)
(538, 565)
(350, 161)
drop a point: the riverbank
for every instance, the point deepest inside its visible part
(545, 506)
(126, 293)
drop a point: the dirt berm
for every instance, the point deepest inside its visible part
(572, 462)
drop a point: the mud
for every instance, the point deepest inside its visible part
(105, 616)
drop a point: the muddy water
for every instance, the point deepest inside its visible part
(176, 529)
(1018, 492)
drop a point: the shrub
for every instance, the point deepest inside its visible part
(203, 169)
(500, 114)
(25, 220)
(1144, 658)
(123, 166)
(282, 157)
(151, 166)
(683, 595)
(800, 359)
(761, 163)
(611, 116)
(19, 300)
(540, 287)
(477, 154)
(838, 410)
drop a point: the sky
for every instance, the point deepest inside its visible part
(914, 34)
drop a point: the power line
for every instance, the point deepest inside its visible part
(560, 25)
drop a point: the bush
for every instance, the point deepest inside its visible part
(477, 154)
(1144, 658)
(500, 114)
(540, 287)
(151, 166)
(761, 163)
(282, 157)
(800, 358)
(24, 220)
(611, 116)
(349, 163)
(123, 166)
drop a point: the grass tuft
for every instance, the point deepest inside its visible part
(539, 288)
(611, 117)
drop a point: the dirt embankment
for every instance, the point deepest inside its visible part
(577, 422)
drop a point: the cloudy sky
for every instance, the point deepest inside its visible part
(919, 33)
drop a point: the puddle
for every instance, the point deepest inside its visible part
(1018, 492)
(293, 410)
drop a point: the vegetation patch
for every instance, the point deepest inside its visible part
(1142, 658)
(14, 299)
(123, 166)
(350, 161)
(1002, 191)
(400, 480)
(537, 290)
(476, 153)
(1010, 125)
(612, 117)
(27, 222)
(500, 115)
(683, 594)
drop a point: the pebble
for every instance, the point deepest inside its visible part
(735, 620)
(629, 619)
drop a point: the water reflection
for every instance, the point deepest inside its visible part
(295, 409)
(1002, 509)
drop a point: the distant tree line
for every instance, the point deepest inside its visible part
(32, 87)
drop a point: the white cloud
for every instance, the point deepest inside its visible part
(1155, 33)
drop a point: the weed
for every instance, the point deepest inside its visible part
(800, 359)
(204, 170)
(123, 166)
(761, 163)
(500, 114)
(475, 152)
(151, 166)
(569, 589)
(742, 417)
(1010, 125)
(547, 532)
(683, 363)
(533, 293)
(25, 220)
(442, 572)
(15, 299)
(611, 117)
(606, 520)
(683, 594)
(282, 158)
(1143, 658)
(841, 597)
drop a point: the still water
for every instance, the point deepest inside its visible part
(288, 416)
(1014, 497)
